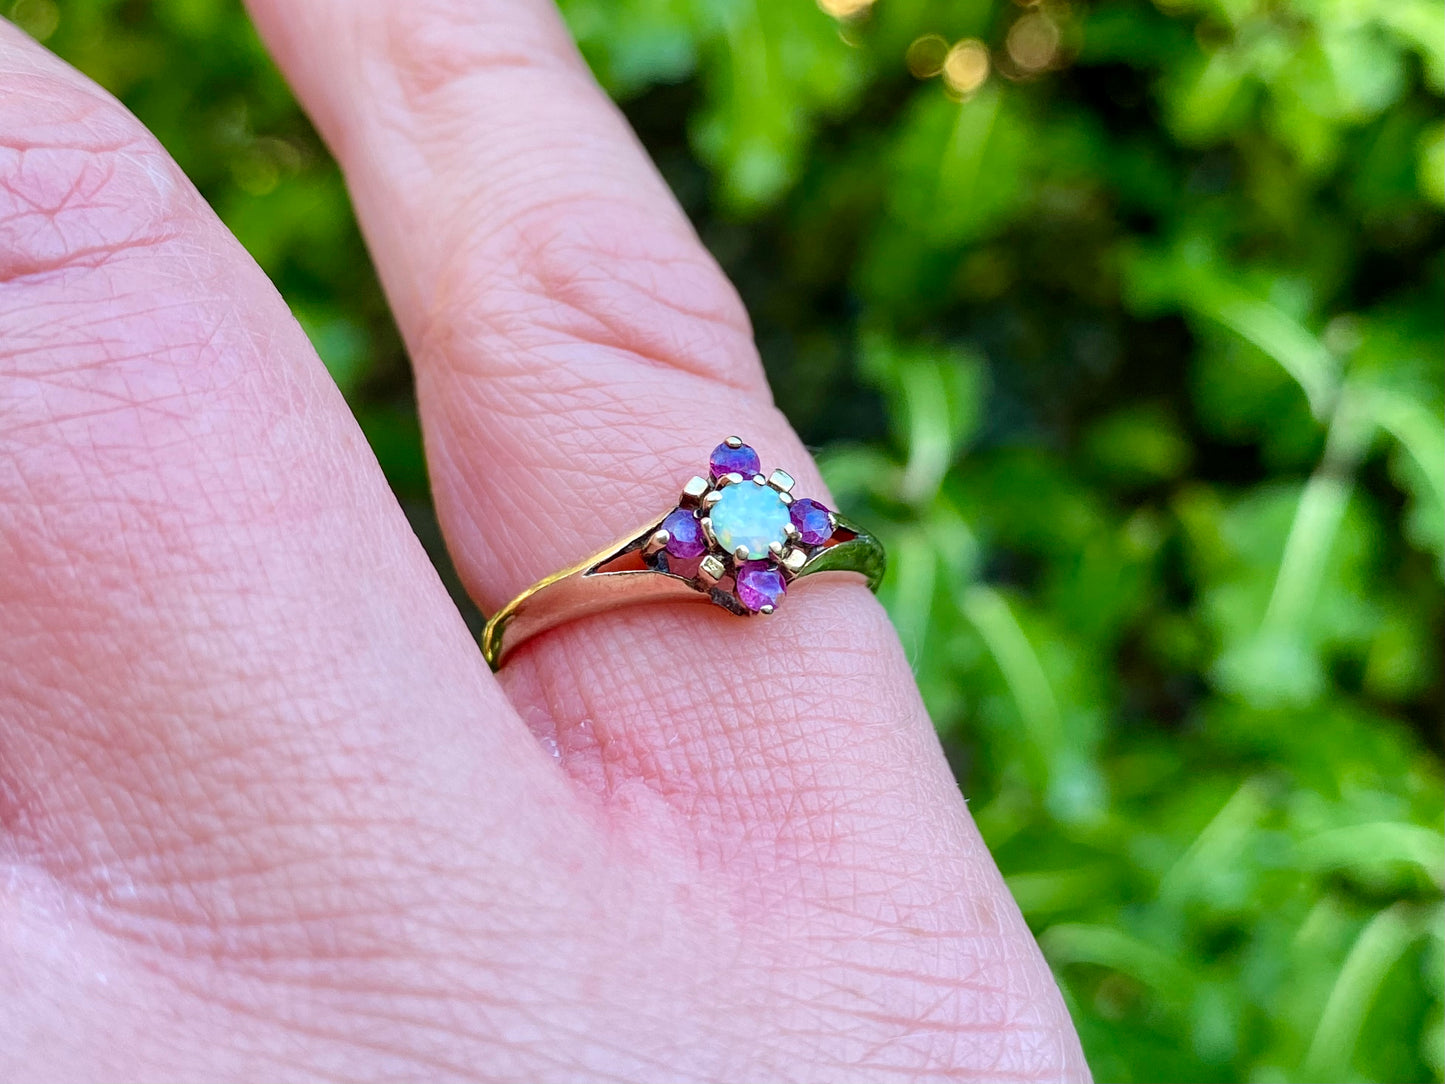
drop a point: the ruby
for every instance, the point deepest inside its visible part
(759, 585)
(684, 535)
(814, 522)
(740, 460)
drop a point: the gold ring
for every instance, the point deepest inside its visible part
(737, 539)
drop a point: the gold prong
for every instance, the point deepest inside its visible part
(765, 610)
(786, 498)
(710, 498)
(659, 540)
(706, 524)
(733, 442)
(791, 530)
(710, 569)
(742, 554)
(728, 480)
(781, 480)
(758, 479)
(776, 549)
(793, 561)
(693, 492)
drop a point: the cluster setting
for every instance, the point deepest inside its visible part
(748, 534)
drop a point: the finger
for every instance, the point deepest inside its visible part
(240, 722)
(576, 352)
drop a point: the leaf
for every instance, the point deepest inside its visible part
(779, 68)
(1421, 467)
(1024, 674)
(1209, 98)
(936, 398)
(1109, 946)
(1138, 444)
(1367, 846)
(1381, 943)
(957, 166)
(1417, 23)
(1431, 169)
(1273, 653)
(1297, 351)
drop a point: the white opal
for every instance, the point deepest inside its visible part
(750, 515)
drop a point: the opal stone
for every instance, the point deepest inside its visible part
(812, 520)
(750, 515)
(740, 460)
(759, 585)
(684, 535)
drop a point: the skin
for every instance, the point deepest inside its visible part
(264, 813)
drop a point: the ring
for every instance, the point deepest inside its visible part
(736, 539)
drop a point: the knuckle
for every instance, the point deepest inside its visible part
(566, 276)
(107, 287)
(429, 46)
(80, 179)
(124, 356)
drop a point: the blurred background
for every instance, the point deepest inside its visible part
(1123, 322)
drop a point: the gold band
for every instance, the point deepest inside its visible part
(591, 586)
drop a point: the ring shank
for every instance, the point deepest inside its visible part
(586, 588)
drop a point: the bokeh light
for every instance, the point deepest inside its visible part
(844, 9)
(1033, 42)
(38, 18)
(966, 66)
(926, 55)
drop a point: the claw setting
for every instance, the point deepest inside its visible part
(751, 538)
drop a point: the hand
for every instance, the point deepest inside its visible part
(264, 812)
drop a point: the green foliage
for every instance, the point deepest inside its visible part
(1133, 353)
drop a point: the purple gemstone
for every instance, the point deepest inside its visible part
(740, 460)
(813, 522)
(684, 535)
(759, 585)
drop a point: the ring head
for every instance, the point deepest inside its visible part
(739, 546)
